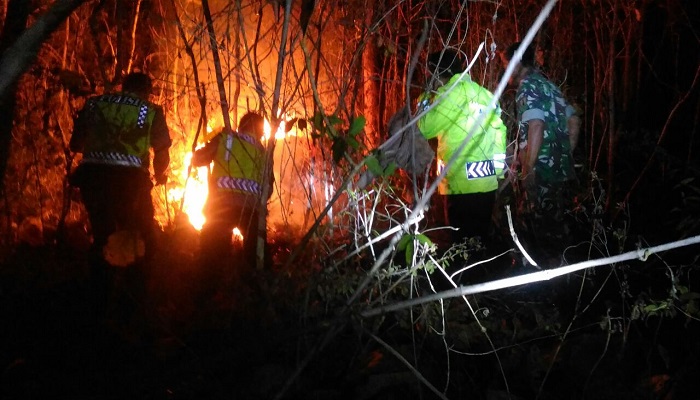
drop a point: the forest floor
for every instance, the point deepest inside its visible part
(253, 341)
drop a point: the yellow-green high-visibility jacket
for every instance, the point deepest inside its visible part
(239, 163)
(453, 110)
(119, 129)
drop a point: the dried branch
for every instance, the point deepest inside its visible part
(648, 164)
(423, 202)
(200, 96)
(17, 58)
(408, 365)
(137, 12)
(22, 53)
(217, 65)
(640, 254)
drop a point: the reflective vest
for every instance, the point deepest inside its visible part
(452, 113)
(119, 132)
(239, 164)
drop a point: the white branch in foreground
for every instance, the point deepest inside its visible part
(539, 276)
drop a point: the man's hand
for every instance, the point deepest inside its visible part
(574, 126)
(529, 179)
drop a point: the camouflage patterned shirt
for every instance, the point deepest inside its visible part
(538, 98)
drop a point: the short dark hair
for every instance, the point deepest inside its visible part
(252, 123)
(445, 64)
(137, 82)
(528, 58)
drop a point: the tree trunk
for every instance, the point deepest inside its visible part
(15, 22)
(370, 86)
(17, 57)
(217, 65)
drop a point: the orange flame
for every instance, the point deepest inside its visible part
(279, 135)
(440, 166)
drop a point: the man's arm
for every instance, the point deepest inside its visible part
(160, 140)
(206, 154)
(427, 123)
(445, 109)
(574, 125)
(79, 134)
(500, 143)
(535, 137)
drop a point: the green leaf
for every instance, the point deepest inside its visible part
(390, 169)
(353, 143)
(653, 308)
(403, 242)
(422, 239)
(690, 296)
(317, 122)
(409, 252)
(334, 120)
(372, 163)
(357, 125)
(339, 148)
(407, 243)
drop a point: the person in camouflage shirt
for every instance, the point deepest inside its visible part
(548, 133)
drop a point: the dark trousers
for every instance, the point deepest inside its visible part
(471, 213)
(545, 209)
(221, 266)
(116, 198)
(224, 212)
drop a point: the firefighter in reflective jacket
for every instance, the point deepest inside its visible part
(235, 189)
(115, 133)
(450, 115)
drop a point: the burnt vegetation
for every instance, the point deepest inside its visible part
(332, 309)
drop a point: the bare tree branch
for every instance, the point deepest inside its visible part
(640, 254)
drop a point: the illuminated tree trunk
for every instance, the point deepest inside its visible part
(202, 121)
(15, 21)
(270, 151)
(370, 87)
(137, 11)
(217, 64)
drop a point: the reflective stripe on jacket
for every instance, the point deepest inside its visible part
(456, 107)
(107, 158)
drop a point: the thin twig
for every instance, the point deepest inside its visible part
(217, 65)
(408, 364)
(602, 355)
(676, 107)
(200, 96)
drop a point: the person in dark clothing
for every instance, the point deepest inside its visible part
(235, 188)
(115, 133)
(237, 162)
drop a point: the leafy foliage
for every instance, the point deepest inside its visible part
(329, 128)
